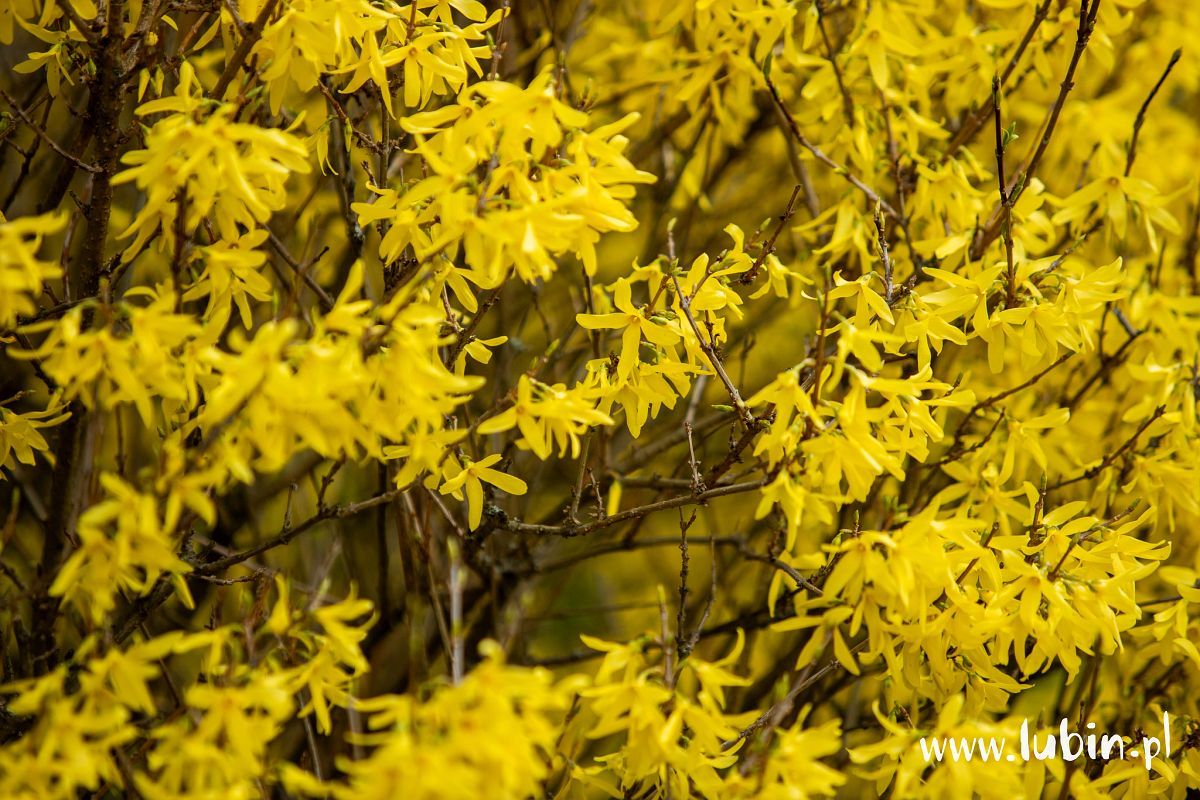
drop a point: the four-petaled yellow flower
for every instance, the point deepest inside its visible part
(633, 323)
(470, 479)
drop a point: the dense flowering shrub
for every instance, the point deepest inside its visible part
(613, 398)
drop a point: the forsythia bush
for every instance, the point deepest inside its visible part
(599, 398)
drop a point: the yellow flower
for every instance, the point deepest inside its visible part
(470, 479)
(557, 415)
(233, 170)
(123, 545)
(22, 273)
(634, 325)
(19, 434)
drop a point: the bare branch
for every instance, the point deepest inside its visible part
(41, 132)
(1131, 154)
(819, 154)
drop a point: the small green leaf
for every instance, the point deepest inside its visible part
(1010, 135)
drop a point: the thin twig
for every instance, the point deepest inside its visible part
(301, 270)
(577, 494)
(769, 247)
(457, 643)
(684, 562)
(1112, 457)
(713, 358)
(331, 512)
(1083, 536)
(667, 647)
(847, 103)
(86, 30)
(1021, 178)
(776, 712)
(1141, 115)
(969, 128)
(962, 576)
(697, 485)
(819, 154)
(1006, 203)
(516, 526)
(883, 256)
(249, 39)
(686, 648)
(991, 400)
(41, 132)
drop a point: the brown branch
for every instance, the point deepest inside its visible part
(288, 534)
(78, 437)
(955, 451)
(772, 715)
(684, 563)
(639, 456)
(798, 169)
(577, 491)
(1041, 274)
(366, 142)
(689, 644)
(252, 34)
(710, 350)
(787, 569)
(627, 545)
(86, 29)
(1108, 363)
(1141, 115)
(238, 22)
(819, 364)
(467, 334)
(1112, 457)
(1192, 248)
(883, 256)
(697, 484)
(734, 455)
(769, 247)
(993, 399)
(1083, 536)
(893, 152)
(962, 576)
(1006, 201)
(41, 132)
(987, 539)
(301, 270)
(571, 530)
(1087, 23)
(974, 122)
(847, 103)
(819, 154)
